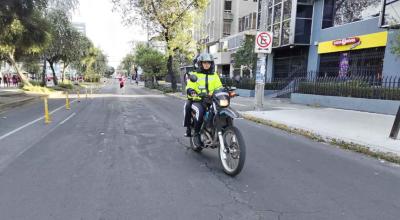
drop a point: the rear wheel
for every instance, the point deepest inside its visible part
(234, 155)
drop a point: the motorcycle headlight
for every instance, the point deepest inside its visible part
(223, 103)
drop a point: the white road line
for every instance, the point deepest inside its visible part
(31, 123)
(69, 117)
(237, 104)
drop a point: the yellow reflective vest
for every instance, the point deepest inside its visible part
(214, 82)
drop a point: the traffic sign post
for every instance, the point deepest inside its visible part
(263, 46)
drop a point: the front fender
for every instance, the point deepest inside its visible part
(229, 112)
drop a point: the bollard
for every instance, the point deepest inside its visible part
(47, 118)
(67, 106)
(91, 90)
(86, 92)
(396, 126)
(79, 97)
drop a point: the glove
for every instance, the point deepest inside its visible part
(191, 92)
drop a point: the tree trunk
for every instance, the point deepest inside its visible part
(54, 73)
(171, 72)
(63, 71)
(23, 78)
(44, 74)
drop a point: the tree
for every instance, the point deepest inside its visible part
(74, 49)
(110, 71)
(169, 18)
(62, 39)
(245, 55)
(93, 64)
(127, 63)
(25, 35)
(396, 45)
(151, 61)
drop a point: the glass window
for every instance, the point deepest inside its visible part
(341, 12)
(227, 28)
(228, 6)
(287, 9)
(269, 16)
(285, 32)
(352, 63)
(277, 13)
(303, 31)
(277, 28)
(304, 11)
(391, 12)
(327, 20)
(254, 21)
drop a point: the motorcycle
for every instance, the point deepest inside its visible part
(218, 131)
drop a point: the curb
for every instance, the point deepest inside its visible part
(358, 148)
(16, 103)
(174, 96)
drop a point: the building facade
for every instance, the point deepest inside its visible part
(223, 28)
(331, 37)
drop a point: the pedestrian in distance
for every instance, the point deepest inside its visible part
(121, 82)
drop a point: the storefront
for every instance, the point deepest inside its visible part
(353, 56)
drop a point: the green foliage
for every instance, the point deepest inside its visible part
(245, 54)
(128, 62)
(66, 86)
(34, 83)
(396, 46)
(110, 71)
(170, 20)
(151, 61)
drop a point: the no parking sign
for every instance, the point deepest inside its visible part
(263, 42)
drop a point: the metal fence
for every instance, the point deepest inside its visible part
(369, 87)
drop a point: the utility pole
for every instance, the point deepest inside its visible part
(263, 46)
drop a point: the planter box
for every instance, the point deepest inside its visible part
(388, 107)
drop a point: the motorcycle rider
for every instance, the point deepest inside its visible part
(207, 81)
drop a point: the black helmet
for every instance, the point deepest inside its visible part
(206, 57)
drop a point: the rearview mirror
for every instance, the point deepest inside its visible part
(193, 78)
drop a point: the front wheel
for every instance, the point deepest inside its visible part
(194, 147)
(234, 154)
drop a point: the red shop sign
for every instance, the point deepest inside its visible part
(346, 41)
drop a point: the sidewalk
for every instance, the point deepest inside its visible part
(11, 97)
(367, 129)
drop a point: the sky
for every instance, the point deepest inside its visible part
(104, 27)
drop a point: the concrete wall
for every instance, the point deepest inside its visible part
(367, 105)
(241, 8)
(250, 93)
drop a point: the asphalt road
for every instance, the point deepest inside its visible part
(122, 155)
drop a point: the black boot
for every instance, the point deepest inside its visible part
(188, 132)
(197, 140)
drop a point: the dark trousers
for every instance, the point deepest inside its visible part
(199, 110)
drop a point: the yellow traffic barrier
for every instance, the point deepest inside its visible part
(67, 106)
(47, 118)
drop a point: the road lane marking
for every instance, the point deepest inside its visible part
(69, 117)
(30, 123)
